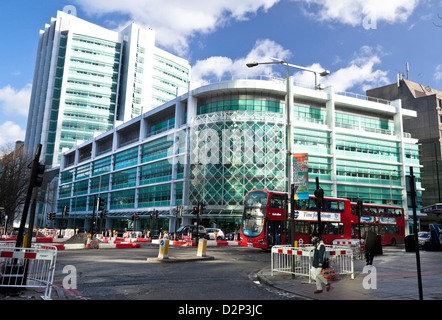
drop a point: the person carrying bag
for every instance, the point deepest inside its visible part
(318, 261)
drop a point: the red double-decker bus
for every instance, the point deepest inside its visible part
(388, 221)
(265, 220)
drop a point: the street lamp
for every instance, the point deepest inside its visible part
(279, 61)
(289, 126)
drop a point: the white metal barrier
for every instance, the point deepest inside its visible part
(358, 246)
(299, 260)
(28, 267)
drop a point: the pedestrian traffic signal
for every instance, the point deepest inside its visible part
(195, 210)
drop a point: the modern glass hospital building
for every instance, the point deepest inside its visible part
(216, 142)
(88, 79)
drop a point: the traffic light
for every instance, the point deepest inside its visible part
(151, 215)
(66, 210)
(100, 204)
(156, 214)
(359, 208)
(319, 194)
(52, 215)
(49, 216)
(37, 175)
(195, 210)
(202, 207)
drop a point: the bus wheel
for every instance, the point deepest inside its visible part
(393, 242)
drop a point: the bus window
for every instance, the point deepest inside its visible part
(398, 213)
(381, 212)
(333, 228)
(390, 213)
(257, 199)
(366, 210)
(393, 230)
(341, 206)
(301, 204)
(341, 228)
(301, 227)
(312, 205)
(353, 210)
(383, 230)
(314, 228)
(276, 201)
(364, 228)
(355, 231)
(333, 205)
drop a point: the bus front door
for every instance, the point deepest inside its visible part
(274, 233)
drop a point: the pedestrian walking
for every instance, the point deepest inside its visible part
(318, 260)
(370, 245)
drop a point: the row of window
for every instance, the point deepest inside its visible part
(147, 197)
(376, 211)
(155, 173)
(241, 105)
(328, 205)
(337, 228)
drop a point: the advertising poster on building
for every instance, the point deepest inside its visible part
(300, 175)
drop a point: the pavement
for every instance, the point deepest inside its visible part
(394, 277)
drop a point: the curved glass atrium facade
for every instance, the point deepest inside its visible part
(219, 141)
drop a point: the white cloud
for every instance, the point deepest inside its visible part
(15, 102)
(356, 12)
(438, 73)
(11, 132)
(175, 22)
(359, 72)
(219, 67)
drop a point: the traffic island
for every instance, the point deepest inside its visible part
(163, 254)
(179, 259)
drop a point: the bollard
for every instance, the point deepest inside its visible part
(202, 245)
(164, 249)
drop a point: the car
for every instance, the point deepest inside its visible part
(188, 230)
(219, 234)
(423, 236)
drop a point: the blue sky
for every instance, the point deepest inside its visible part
(364, 43)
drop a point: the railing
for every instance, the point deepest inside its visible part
(279, 79)
(363, 97)
(298, 260)
(28, 267)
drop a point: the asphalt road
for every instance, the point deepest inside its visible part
(125, 274)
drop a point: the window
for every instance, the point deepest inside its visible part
(335, 206)
(276, 201)
(301, 227)
(335, 228)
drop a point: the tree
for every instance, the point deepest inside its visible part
(14, 180)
